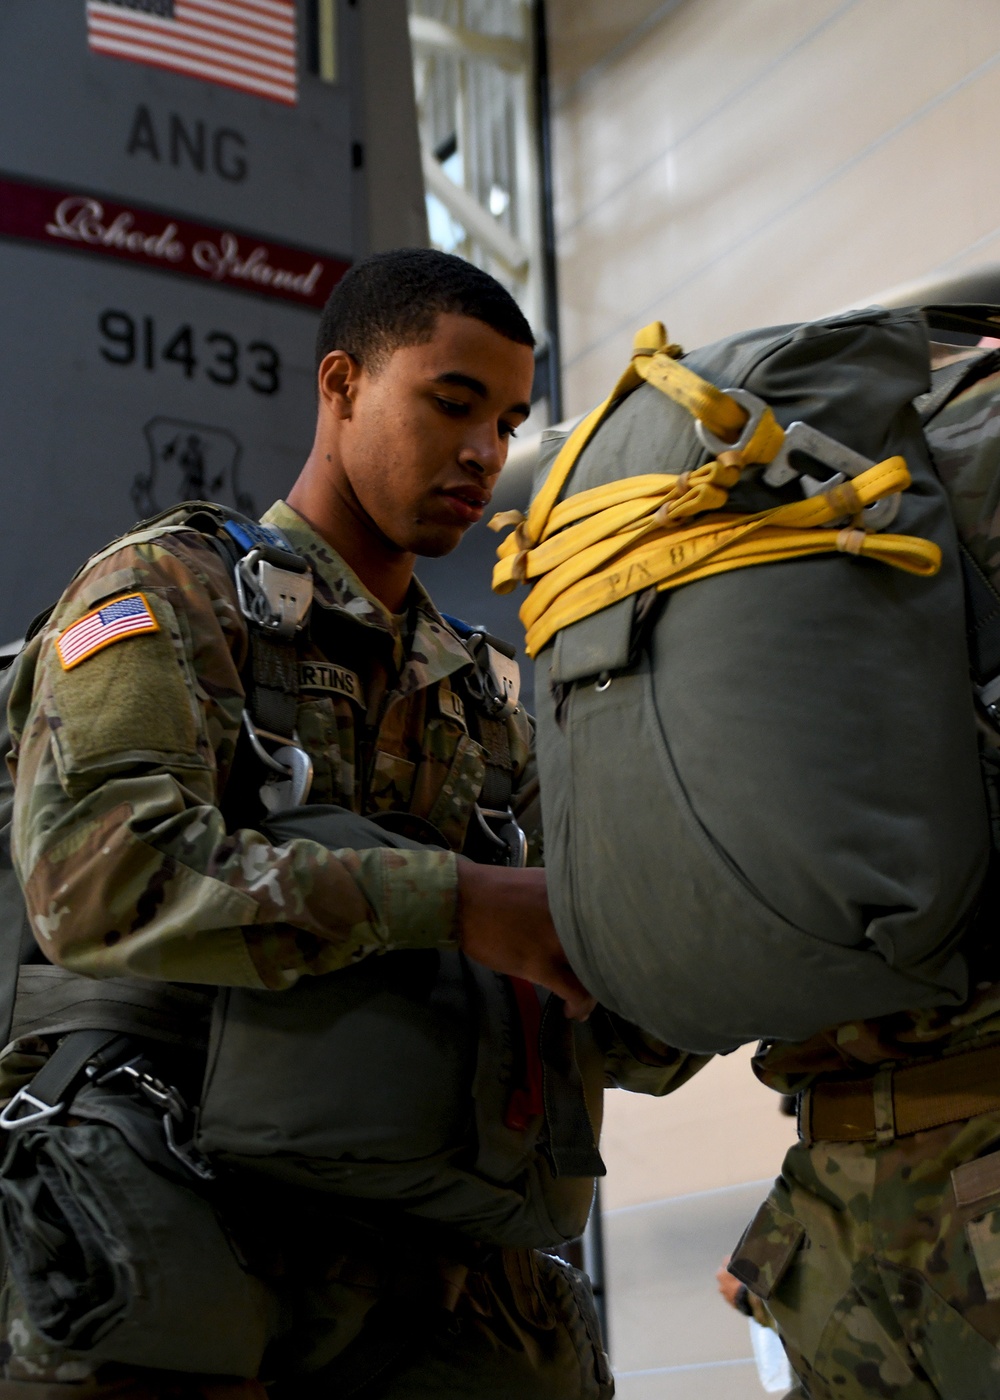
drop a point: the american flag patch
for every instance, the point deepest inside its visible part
(244, 44)
(123, 618)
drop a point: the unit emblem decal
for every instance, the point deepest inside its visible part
(189, 462)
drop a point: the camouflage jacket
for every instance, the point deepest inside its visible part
(121, 762)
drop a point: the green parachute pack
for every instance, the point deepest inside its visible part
(760, 763)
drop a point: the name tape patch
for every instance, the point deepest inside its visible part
(125, 617)
(330, 680)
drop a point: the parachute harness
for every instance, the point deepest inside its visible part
(622, 538)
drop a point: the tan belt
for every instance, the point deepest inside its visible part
(910, 1099)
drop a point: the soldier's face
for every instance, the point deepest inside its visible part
(422, 440)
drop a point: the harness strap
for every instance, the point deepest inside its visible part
(52, 1001)
(498, 785)
(273, 692)
(982, 621)
(950, 380)
(271, 675)
(137, 1384)
(489, 728)
(49, 1090)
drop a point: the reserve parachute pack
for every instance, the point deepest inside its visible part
(762, 793)
(463, 1097)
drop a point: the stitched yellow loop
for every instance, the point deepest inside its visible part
(653, 340)
(505, 518)
(844, 498)
(598, 577)
(766, 440)
(851, 541)
(721, 414)
(650, 340)
(706, 488)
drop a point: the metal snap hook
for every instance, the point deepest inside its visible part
(603, 682)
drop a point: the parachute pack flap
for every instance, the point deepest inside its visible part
(595, 645)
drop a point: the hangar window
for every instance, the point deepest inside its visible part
(481, 102)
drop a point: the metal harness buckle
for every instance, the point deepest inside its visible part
(801, 440)
(503, 831)
(11, 1117)
(496, 680)
(175, 1111)
(755, 411)
(275, 590)
(288, 761)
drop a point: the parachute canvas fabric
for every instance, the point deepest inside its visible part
(763, 808)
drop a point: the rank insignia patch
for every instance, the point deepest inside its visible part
(125, 617)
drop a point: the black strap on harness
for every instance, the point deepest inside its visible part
(52, 1087)
(493, 689)
(274, 587)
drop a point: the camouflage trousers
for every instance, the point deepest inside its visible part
(524, 1328)
(880, 1263)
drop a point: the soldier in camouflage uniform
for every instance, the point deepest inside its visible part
(130, 868)
(878, 1250)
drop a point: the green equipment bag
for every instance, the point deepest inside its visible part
(415, 1077)
(763, 805)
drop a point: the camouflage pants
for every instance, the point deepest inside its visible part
(880, 1264)
(524, 1327)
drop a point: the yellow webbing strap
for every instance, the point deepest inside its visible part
(621, 538)
(653, 360)
(613, 569)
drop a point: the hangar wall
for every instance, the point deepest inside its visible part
(720, 165)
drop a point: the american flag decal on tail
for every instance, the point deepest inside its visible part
(123, 618)
(244, 44)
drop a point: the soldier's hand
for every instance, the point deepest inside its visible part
(504, 923)
(729, 1284)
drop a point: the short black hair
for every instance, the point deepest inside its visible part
(393, 299)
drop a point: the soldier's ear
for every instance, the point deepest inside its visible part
(339, 374)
